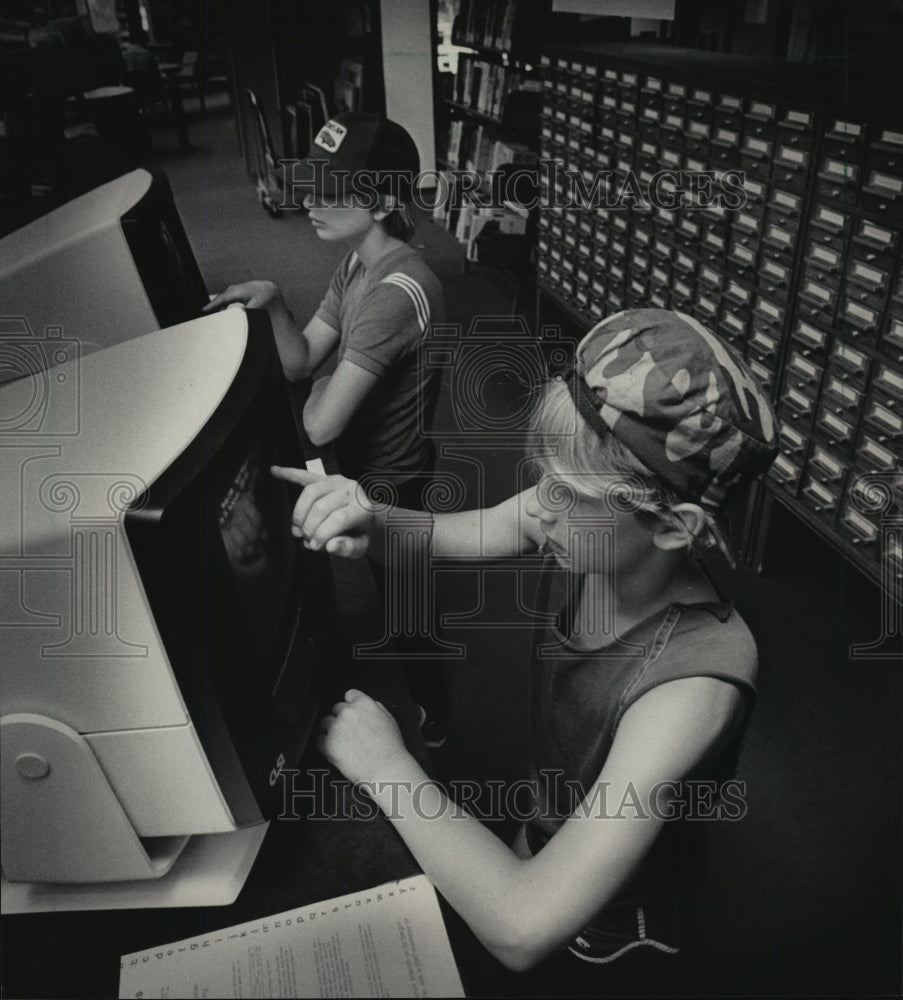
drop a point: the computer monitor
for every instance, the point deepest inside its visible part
(162, 630)
(114, 263)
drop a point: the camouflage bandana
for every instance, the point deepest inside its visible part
(678, 398)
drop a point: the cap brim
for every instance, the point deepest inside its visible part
(312, 175)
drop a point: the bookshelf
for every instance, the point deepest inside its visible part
(505, 27)
(482, 129)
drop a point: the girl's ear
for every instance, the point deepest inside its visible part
(689, 523)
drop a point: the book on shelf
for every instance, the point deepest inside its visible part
(505, 151)
(484, 86)
(472, 94)
(470, 147)
(442, 205)
(347, 97)
(453, 151)
(482, 152)
(355, 18)
(487, 24)
(473, 147)
(349, 85)
(463, 222)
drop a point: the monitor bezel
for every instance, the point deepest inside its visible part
(252, 723)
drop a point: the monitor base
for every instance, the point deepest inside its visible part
(210, 871)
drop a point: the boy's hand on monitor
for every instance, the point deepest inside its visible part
(361, 738)
(332, 513)
(250, 294)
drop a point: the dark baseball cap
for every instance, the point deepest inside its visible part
(362, 154)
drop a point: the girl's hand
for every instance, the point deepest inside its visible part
(332, 513)
(250, 294)
(360, 738)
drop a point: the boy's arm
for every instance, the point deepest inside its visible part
(334, 400)
(492, 533)
(524, 909)
(300, 351)
(335, 514)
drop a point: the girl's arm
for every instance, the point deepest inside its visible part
(334, 513)
(522, 910)
(300, 351)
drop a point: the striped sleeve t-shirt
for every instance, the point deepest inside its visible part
(383, 314)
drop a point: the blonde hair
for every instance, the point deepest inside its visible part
(563, 446)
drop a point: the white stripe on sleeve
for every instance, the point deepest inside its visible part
(416, 294)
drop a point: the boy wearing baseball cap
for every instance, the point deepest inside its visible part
(641, 688)
(380, 304)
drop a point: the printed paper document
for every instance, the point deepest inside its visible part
(389, 941)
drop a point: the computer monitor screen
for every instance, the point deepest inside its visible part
(165, 632)
(254, 518)
(240, 606)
